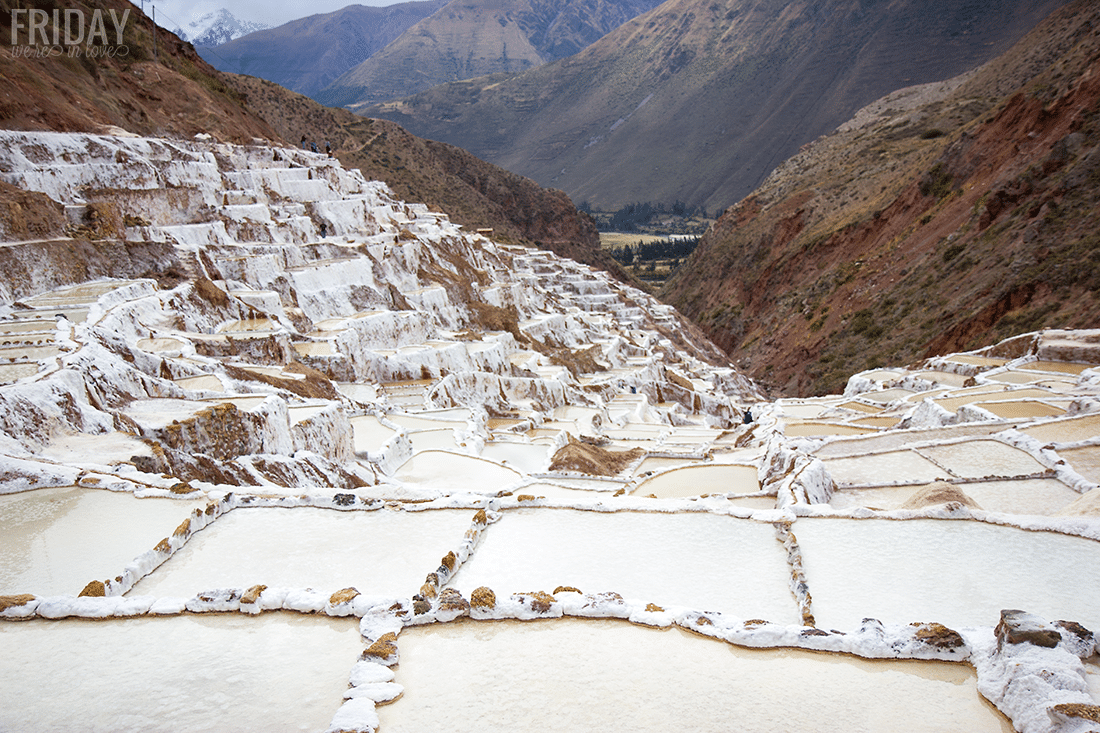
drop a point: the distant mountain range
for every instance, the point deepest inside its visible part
(308, 54)
(470, 38)
(697, 100)
(216, 28)
(941, 218)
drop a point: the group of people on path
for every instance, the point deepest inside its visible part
(312, 146)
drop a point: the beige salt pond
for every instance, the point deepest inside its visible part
(208, 382)
(1070, 430)
(1043, 496)
(1013, 409)
(726, 478)
(55, 541)
(437, 469)
(1084, 460)
(668, 559)
(890, 441)
(379, 552)
(166, 345)
(891, 467)
(981, 458)
(369, 433)
(184, 674)
(955, 572)
(810, 429)
(560, 675)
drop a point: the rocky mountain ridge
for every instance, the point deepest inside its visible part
(698, 101)
(469, 38)
(941, 217)
(308, 54)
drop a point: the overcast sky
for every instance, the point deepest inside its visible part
(178, 13)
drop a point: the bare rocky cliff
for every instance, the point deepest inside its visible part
(942, 217)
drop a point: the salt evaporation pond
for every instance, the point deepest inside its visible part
(1085, 461)
(1041, 496)
(55, 541)
(891, 467)
(695, 480)
(955, 572)
(369, 433)
(980, 458)
(379, 552)
(528, 457)
(437, 469)
(560, 675)
(701, 561)
(277, 672)
(1069, 430)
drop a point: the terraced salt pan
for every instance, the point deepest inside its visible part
(55, 541)
(434, 440)
(1070, 430)
(1061, 367)
(887, 395)
(891, 467)
(437, 469)
(948, 379)
(878, 421)
(980, 458)
(369, 433)
(560, 675)
(980, 361)
(12, 372)
(809, 429)
(955, 572)
(377, 552)
(1013, 376)
(527, 458)
(364, 393)
(892, 441)
(1013, 409)
(209, 382)
(695, 480)
(1043, 496)
(651, 464)
(862, 407)
(701, 561)
(988, 394)
(1085, 461)
(184, 674)
(109, 449)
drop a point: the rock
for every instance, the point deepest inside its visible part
(939, 636)
(22, 599)
(939, 492)
(384, 650)
(1080, 711)
(253, 594)
(1018, 627)
(483, 598)
(343, 596)
(95, 589)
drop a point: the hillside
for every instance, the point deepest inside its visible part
(698, 101)
(307, 54)
(940, 218)
(470, 38)
(180, 95)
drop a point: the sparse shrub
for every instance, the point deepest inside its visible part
(931, 133)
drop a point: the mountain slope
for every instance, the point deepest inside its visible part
(181, 96)
(940, 218)
(698, 101)
(305, 55)
(469, 38)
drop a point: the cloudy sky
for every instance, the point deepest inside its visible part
(178, 13)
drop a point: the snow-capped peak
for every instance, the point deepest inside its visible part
(217, 27)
